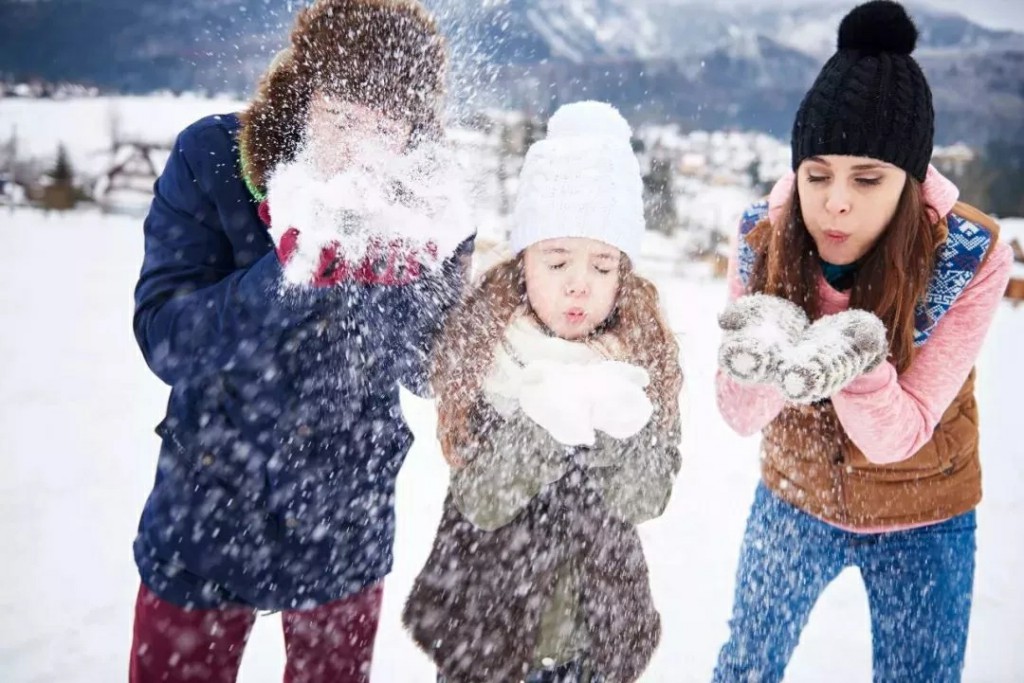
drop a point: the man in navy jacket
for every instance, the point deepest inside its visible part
(283, 434)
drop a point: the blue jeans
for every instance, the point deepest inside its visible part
(919, 584)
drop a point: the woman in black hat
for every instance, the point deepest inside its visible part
(861, 293)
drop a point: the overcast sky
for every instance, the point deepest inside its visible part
(1004, 14)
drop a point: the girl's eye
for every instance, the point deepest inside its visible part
(557, 266)
(816, 178)
(868, 181)
(603, 271)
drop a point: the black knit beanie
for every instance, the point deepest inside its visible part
(871, 98)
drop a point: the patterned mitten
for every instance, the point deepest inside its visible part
(834, 351)
(757, 328)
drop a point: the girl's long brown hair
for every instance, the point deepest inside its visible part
(465, 348)
(890, 281)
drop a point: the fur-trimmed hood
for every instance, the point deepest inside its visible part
(386, 54)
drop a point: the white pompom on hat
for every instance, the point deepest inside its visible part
(582, 180)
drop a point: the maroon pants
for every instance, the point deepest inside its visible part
(332, 643)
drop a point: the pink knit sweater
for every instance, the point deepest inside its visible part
(888, 416)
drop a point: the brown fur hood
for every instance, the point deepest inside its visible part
(386, 54)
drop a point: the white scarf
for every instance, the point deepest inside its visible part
(570, 388)
(524, 343)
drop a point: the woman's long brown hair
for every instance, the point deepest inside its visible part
(465, 349)
(890, 281)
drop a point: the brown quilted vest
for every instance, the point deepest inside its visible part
(810, 462)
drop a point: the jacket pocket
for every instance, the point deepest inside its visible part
(225, 462)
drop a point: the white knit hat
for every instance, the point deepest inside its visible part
(583, 180)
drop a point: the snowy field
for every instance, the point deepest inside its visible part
(77, 409)
(86, 125)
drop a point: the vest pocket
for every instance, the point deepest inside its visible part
(929, 460)
(959, 438)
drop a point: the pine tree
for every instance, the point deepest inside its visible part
(62, 173)
(61, 194)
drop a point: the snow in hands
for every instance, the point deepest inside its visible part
(757, 329)
(768, 340)
(833, 352)
(381, 203)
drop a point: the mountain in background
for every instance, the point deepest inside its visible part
(698, 64)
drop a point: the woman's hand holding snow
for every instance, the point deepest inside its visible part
(757, 328)
(833, 352)
(767, 340)
(385, 219)
(573, 401)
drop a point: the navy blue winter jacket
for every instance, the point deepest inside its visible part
(283, 434)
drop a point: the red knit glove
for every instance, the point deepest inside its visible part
(394, 263)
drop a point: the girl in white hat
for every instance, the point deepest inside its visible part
(558, 383)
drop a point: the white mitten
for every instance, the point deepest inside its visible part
(621, 407)
(834, 351)
(757, 328)
(553, 395)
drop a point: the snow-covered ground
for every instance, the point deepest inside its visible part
(1012, 229)
(77, 457)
